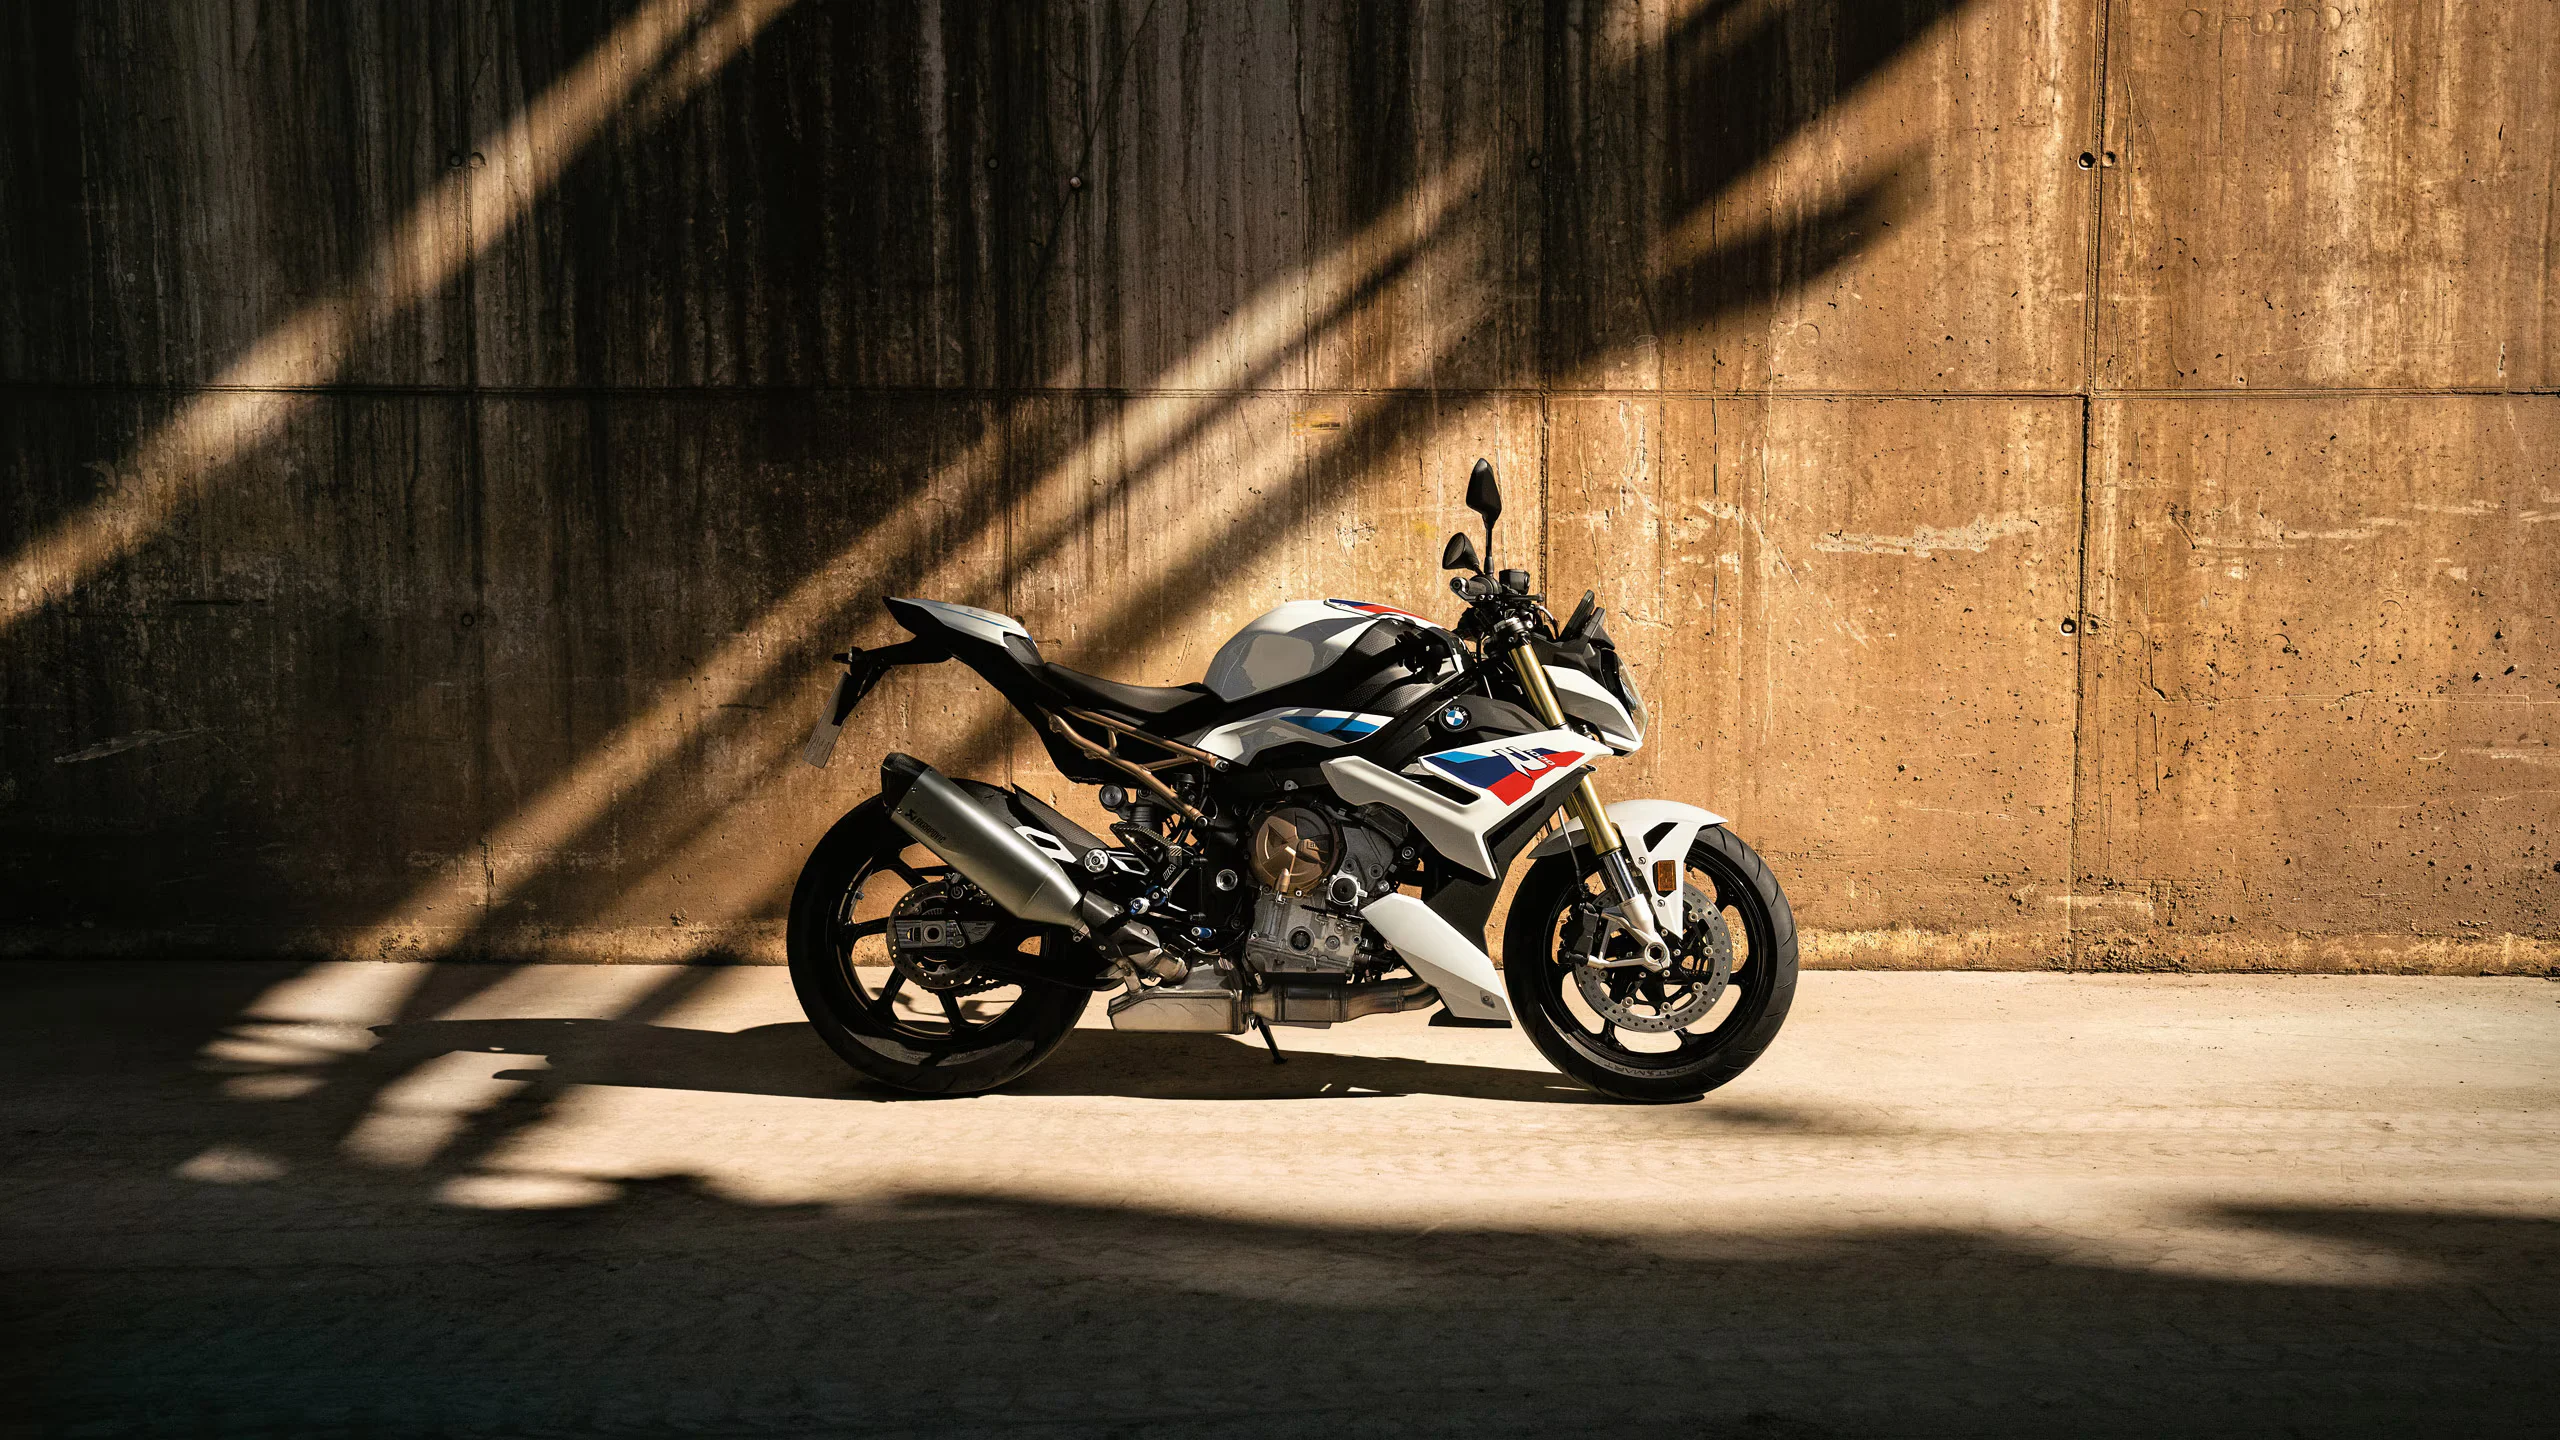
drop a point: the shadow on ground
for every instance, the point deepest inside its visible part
(150, 1294)
(790, 1059)
(363, 1310)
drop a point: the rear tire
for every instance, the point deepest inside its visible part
(1549, 997)
(876, 1016)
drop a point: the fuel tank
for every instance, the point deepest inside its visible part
(1293, 642)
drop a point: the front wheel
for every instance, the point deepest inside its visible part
(1638, 1034)
(925, 1009)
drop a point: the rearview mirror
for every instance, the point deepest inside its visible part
(1460, 554)
(1484, 497)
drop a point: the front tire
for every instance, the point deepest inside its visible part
(910, 1028)
(1628, 1034)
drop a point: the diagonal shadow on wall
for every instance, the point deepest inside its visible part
(1714, 95)
(1043, 443)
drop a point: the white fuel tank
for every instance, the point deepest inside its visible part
(1293, 642)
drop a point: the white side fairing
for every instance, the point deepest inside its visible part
(1463, 974)
(1292, 643)
(1654, 830)
(1589, 701)
(1499, 778)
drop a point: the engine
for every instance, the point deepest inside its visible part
(1307, 958)
(1315, 872)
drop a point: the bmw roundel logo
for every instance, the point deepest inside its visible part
(1455, 718)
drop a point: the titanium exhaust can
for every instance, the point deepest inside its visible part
(942, 817)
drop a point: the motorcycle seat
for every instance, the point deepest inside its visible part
(1153, 707)
(982, 635)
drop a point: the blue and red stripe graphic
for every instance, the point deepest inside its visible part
(1353, 726)
(1504, 773)
(1363, 607)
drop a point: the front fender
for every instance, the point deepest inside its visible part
(1654, 830)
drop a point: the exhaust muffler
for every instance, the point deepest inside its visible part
(945, 820)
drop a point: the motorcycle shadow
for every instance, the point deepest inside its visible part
(789, 1060)
(1156, 1066)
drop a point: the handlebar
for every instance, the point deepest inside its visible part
(1474, 588)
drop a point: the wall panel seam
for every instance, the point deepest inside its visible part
(1120, 392)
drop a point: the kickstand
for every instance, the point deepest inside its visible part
(1265, 1027)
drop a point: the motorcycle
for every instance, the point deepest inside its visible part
(1316, 833)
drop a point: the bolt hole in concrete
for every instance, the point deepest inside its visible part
(2087, 160)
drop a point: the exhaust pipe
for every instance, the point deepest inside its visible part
(942, 817)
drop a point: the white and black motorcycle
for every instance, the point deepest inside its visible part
(1315, 834)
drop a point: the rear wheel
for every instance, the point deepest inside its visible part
(1639, 1034)
(890, 953)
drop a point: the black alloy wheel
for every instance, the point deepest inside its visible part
(1636, 1034)
(934, 1013)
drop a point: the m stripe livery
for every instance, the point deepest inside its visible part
(1503, 773)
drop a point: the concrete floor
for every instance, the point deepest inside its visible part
(577, 1201)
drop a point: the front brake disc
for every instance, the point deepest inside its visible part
(1673, 998)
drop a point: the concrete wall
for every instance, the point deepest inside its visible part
(2077, 475)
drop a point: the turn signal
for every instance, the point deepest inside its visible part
(1666, 876)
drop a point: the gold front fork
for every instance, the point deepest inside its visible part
(1586, 795)
(1632, 892)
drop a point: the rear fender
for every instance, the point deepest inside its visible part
(1654, 830)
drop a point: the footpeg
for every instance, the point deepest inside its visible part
(1133, 942)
